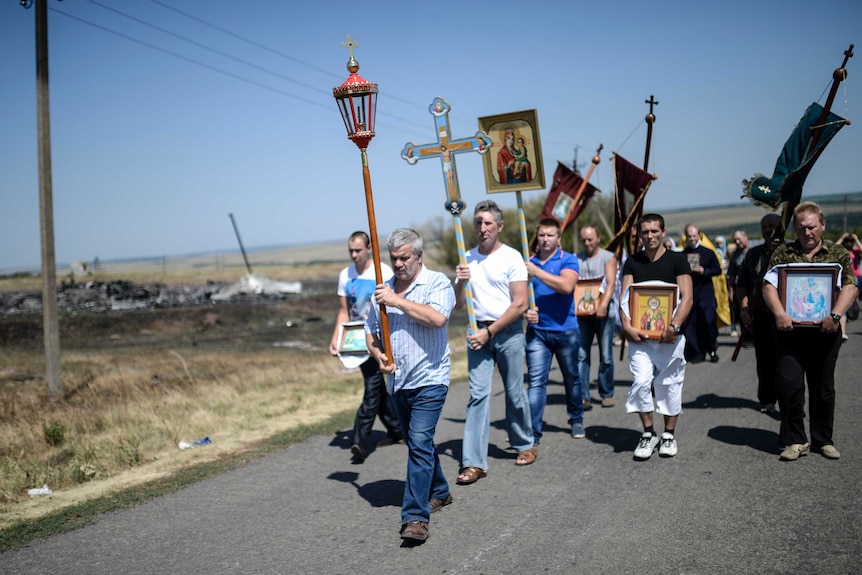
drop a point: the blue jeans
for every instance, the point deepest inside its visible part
(418, 411)
(541, 346)
(603, 329)
(506, 351)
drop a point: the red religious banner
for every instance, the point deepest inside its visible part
(562, 204)
(632, 184)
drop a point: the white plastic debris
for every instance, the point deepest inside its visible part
(44, 490)
(186, 445)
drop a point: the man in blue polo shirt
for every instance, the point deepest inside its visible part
(552, 328)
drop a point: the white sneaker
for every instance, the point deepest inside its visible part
(668, 445)
(646, 445)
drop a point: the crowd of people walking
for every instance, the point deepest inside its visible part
(661, 298)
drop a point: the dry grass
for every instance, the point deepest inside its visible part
(136, 384)
(129, 399)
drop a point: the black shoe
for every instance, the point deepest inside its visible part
(713, 357)
(358, 452)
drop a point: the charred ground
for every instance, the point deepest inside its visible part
(123, 314)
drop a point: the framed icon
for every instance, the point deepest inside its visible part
(693, 259)
(651, 308)
(808, 292)
(588, 293)
(514, 161)
(351, 338)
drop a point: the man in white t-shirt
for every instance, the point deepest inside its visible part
(498, 278)
(356, 285)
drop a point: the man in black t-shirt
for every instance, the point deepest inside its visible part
(656, 363)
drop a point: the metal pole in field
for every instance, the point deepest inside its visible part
(50, 322)
(241, 247)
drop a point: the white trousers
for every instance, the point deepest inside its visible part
(660, 366)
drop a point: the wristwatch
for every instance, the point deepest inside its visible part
(836, 318)
(676, 329)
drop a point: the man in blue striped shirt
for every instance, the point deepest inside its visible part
(418, 304)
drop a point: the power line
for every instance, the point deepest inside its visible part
(272, 50)
(187, 59)
(220, 70)
(244, 39)
(287, 56)
(205, 47)
(234, 58)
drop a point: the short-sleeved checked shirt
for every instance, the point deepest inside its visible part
(420, 353)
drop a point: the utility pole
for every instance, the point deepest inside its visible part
(576, 166)
(50, 323)
(241, 248)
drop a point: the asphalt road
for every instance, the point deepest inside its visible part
(725, 504)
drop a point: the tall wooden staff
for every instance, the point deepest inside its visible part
(638, 207)
(579, 194)
(446, 149)
(838, 76)
(525, 247)
(357, 102)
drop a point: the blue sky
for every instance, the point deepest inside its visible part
(156, 140)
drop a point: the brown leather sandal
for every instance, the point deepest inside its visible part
(526, 457)
(470, 475)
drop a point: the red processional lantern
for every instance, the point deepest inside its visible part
(357, 102)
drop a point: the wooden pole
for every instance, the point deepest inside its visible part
(50, 322)
(838, 76)
(525, 249)
(577, 197)
(583, 186)
(650, 120)
(375, 252)
(609, 233)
